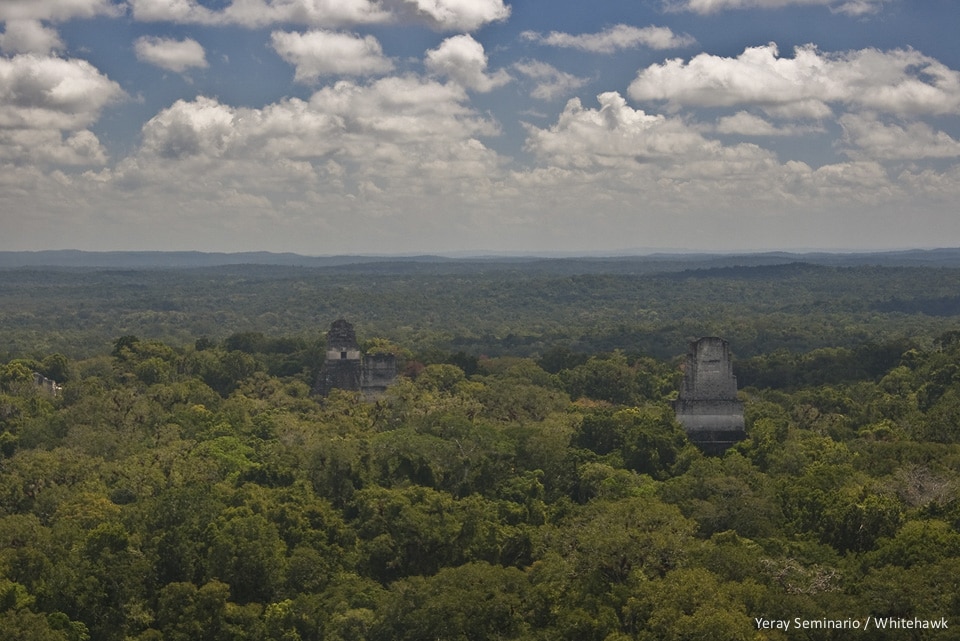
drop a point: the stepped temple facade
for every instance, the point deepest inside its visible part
(346, 368)
(707, 405)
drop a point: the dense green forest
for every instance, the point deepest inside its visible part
(491, 308)
(525, 478)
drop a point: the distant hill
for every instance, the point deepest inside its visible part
(647, 263)
(180, 259)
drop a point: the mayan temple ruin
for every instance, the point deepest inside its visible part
(707, 405)
(346, 368)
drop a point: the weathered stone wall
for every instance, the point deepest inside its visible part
(379, 373)
(708, 371)
(339, 374)
(48, 385)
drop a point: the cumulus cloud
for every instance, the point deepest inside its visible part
(57, 9)
(201, 127)
(29, 36)
(551, 83)
(446, 15)
(322, 53)
(303, 175)
(459, 15)
(616, 149)
(46, 105)
(612, 135)
(849, 7)
(51, 147)
(869, 137)
(52, 93)
(391, 128)
(173, 55)
(182, 11)
(617, 37)
(463, 60)
(407, 108)
(659, 175)
(395, 149)
(901, 81)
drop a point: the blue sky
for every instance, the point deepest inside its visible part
(398, 126)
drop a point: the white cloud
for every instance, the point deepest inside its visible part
(849, 7)
(52, 93)
(56, 9)
(46, 105)
(660, 163)
(407, 109)
(29, 36)
(258, 13)
(323, 53)
(174, 55)
(447, 15)
(398, 150)
(202, 127)
(348, 119)
(51, 147)
(551, 83)
(617, 37)
(460, 15)
(869, 137)
(397, 164)
(400, 135)
(462, 59)
(182, 11)
(747, 124)
(899, 81)
(612, 135)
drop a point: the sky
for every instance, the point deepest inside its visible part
(437, 126)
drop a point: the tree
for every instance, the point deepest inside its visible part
(609, 379)
(247, 553)
(472, 602)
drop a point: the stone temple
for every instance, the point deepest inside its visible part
(348, 369)
(707, 405)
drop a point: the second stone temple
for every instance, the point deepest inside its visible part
(707, 405)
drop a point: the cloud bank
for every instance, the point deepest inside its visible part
(900, 81)
(417, 125)
(444, 15)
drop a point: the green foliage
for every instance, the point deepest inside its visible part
(529, 482)
(726, 495)
(245, 551)
(646, 439)
(472, 602)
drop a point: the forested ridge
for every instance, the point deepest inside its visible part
(524, 479)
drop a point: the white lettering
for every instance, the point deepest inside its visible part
(891, 623)
(772, 624)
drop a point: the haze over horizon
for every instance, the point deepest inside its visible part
(519, 253)
(477, 126)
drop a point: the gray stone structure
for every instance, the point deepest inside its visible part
(707, 405)
(48, 385)
(348, 369)
(379, 373)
